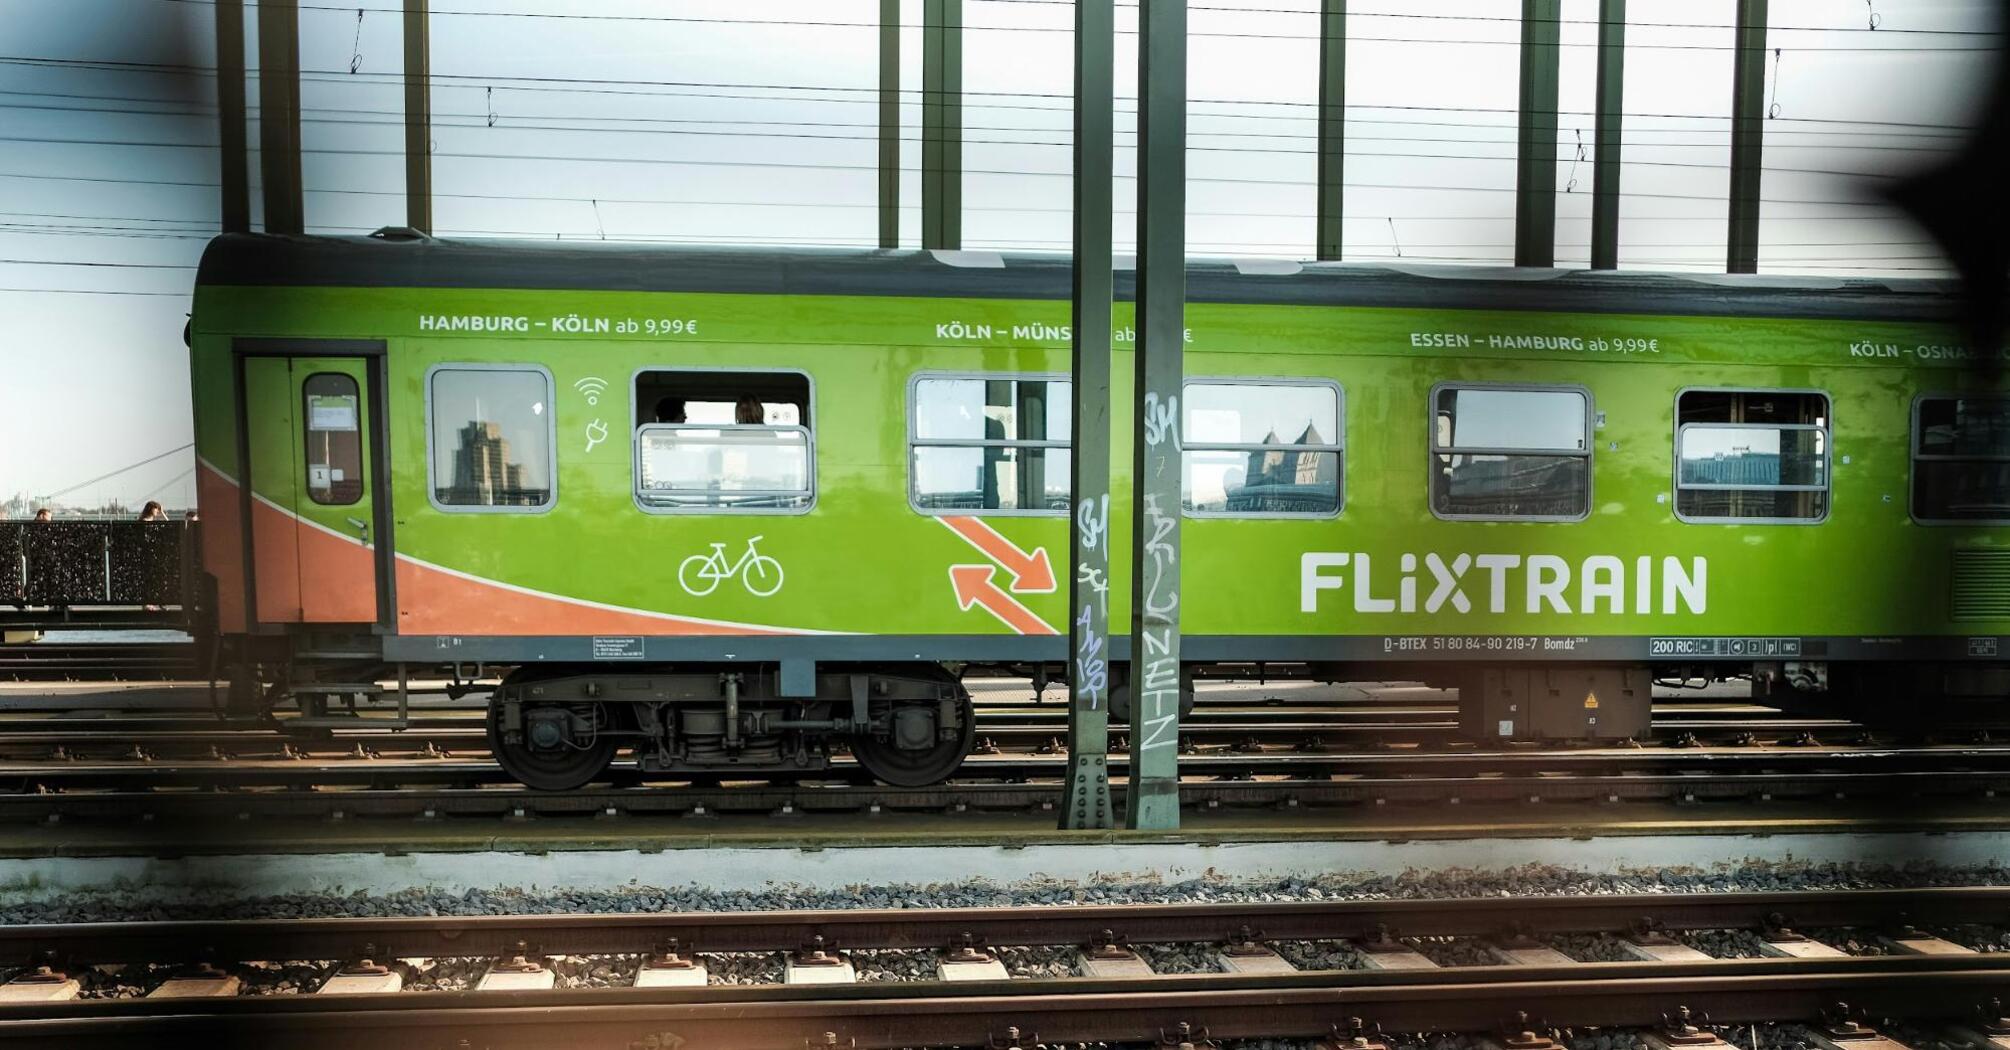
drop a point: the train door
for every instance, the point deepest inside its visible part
(312, 441)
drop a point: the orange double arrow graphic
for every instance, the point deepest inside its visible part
(978, 584)
(975, 586)
(1031, 573)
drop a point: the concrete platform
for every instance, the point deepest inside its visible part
(1259, 960)
(692, 976)
(838, 972)
(1526, 955)
(206, 987)
(42, 987)
(1126, 966)
(536, 980)
(1661, 951)
(1390, 959)
(1803, 949)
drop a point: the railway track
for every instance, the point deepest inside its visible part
(668, 997)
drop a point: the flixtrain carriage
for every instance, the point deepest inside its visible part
(726, 509)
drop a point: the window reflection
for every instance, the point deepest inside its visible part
(1261, 448)
(334, 439)
(1752, 455)
(691, 466)
(491, 438)
(991, 443)
(1508, 453)
(1961, 460)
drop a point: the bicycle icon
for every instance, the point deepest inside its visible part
(700, 574)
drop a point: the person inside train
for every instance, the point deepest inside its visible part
(749, 410)
(670, 410)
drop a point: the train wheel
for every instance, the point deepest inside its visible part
(918, 766)
(559, 765)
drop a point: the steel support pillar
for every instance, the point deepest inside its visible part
(889, 123)
(1155, 462)
(1332, 125)
(1608, 127)
(279, 114)
(1748, 121)
(1535, 164)
(1086, 803)
(232, 157)
(942, 124)
(418, 118)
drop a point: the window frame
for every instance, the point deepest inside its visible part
(1913, 458)
(550, 435)
(1433, 450)
(1827, 489)
(635, 442)
(1338, 448)
(362, 434)
(915, 441)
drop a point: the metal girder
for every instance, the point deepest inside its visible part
(889, 123)
(1153, 799)
(1332, 126)
(1535, 154)
(279, 114)
(942, 124)
(1608, 127)
(418, 118)
(1748, 117)
(1086, 801)
(230, 116)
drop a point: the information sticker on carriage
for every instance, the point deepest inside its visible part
(623, 647)
(1773, 648)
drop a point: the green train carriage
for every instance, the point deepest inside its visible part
(724, 508)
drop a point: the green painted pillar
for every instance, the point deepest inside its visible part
(889, 123)
(1086, 803)
(1609, 126)
(1332, 125)
(1748, 121)
(418, 118)
(279, 114)
(230, 116)
(1535, 164)
(1153, 799)
(942, 124)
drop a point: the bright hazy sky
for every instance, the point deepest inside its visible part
(733, 121)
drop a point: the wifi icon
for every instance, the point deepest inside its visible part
(592, 387)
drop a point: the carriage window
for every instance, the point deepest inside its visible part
(1261, 449)
(1751, 456)
(334, 442)
(492, 438)
(990, 443)
(1510, 453)
(1961, 460)
(715, 442)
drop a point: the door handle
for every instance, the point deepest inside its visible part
(360, 526)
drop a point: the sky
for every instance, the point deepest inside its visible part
(753, 121)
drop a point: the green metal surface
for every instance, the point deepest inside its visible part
(1609, 127)
(1332, 127)
(889, 123)
(418, 117)
(1535, 152)
(1153, 799)
(231, 152)
(942, 124)
(1748, 120)
(863, 560)
(1086, 802)
(279, 115)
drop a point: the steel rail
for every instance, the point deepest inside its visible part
(632, 933)
(1304, 1005)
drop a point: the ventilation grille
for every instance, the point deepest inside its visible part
(1982, 585)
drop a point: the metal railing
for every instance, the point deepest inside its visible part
(70, 572)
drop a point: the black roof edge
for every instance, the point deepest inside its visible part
(277, 261)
